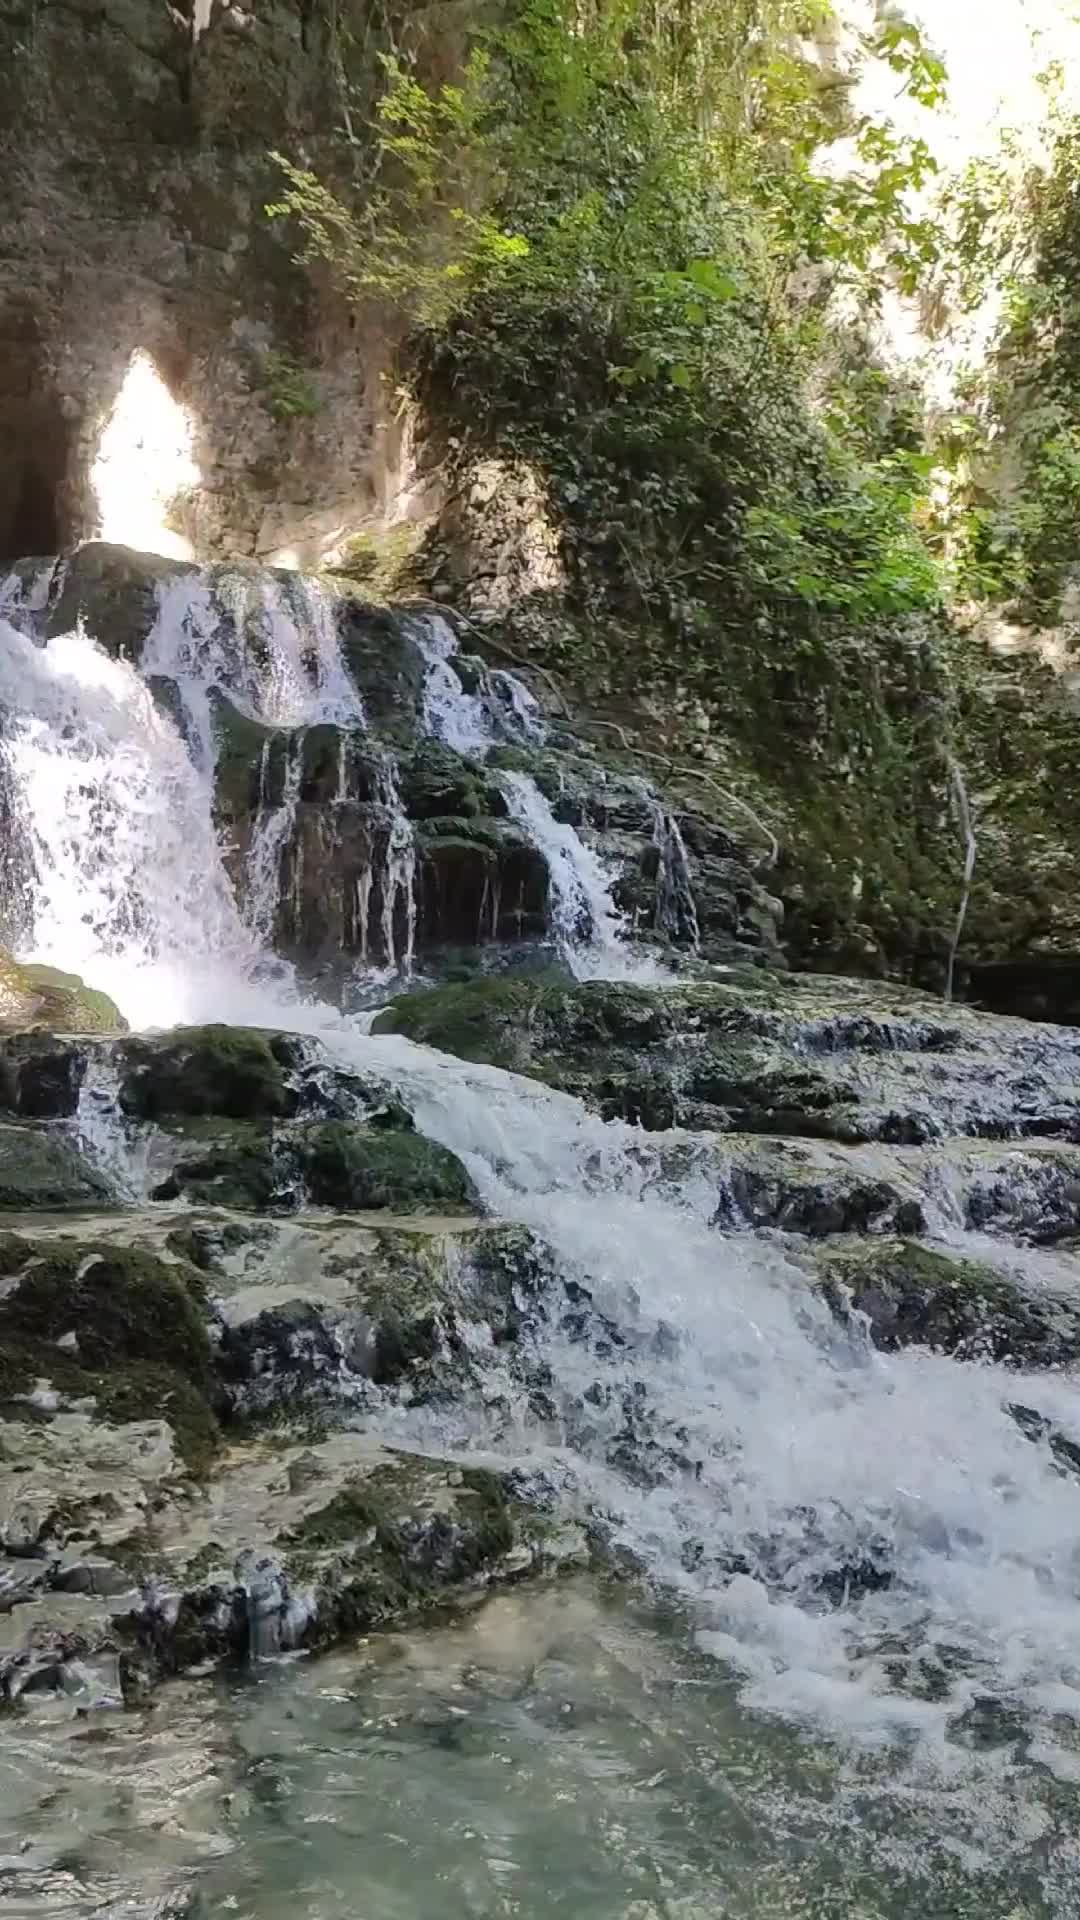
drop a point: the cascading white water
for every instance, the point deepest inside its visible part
(271, 648)
(129, 887)
(676, 909)
(499, 708)
(815, 1451)
(274, 827)
(806, 1450)
(398, 878)
(588, 928)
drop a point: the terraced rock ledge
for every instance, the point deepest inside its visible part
(226, 1267)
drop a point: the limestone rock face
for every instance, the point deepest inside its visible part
(172, 1484)
(136, 152)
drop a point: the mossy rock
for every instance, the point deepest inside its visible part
(35, 997)
(653, 1056)
(114, 591)
(41, 1172)
(912, 1295)
(399, 1542)
(437, 783)
(491, 1021)
(250, 762)
(114, 1324)
(236, 1073)
(360, 1169)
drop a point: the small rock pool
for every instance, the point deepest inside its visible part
(559, 1751)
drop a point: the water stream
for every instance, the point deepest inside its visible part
(755, 1753)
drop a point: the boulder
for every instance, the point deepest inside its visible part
(43, 1170)
(909, 1295)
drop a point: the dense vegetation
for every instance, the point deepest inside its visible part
(628, 268)
(592, 235)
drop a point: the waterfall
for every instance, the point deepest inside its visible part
(129, 886)
(589, 930)
(791, 1448)
(676, 909)
(587, 927)
(959, 787)
(274, 828)
(499, 706)
(270, 647)
(398, 876)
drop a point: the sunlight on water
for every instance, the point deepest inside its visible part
(144, 462)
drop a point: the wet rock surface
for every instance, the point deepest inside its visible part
(42, 998)
(198, 1385)
(905, 1294)
(176, 1481)
(786, 1054)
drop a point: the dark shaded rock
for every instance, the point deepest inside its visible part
(382, 654)
(40, 1076)
(437, 783)
(299, 1351)
(114, 590)
(250, 765)
(239, 1073)
(802, 1202)
(237, 1168)
(480, 882)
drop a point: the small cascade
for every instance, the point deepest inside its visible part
(498, 707)
(26, 592)
(398, 878)
(587, 926)
(963, 808)
(676, 909)
(274, 829)
(269, 646)
(129, 886)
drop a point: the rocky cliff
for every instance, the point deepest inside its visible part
(135, 143)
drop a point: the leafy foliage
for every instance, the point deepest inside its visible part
(1019, 520)
(589, 234)
(290, 389)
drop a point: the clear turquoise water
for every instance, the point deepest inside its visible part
(562, 1753)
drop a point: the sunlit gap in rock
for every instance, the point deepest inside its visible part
(144, 461)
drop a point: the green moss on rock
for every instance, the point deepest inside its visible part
(41, 1172)
(357, 1169)
(700, 1055)
(231, 1166)
(238, 1073)
(114, 1324)
(912, 1295)
(399, 1542)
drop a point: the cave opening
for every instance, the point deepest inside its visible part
(35, 456)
